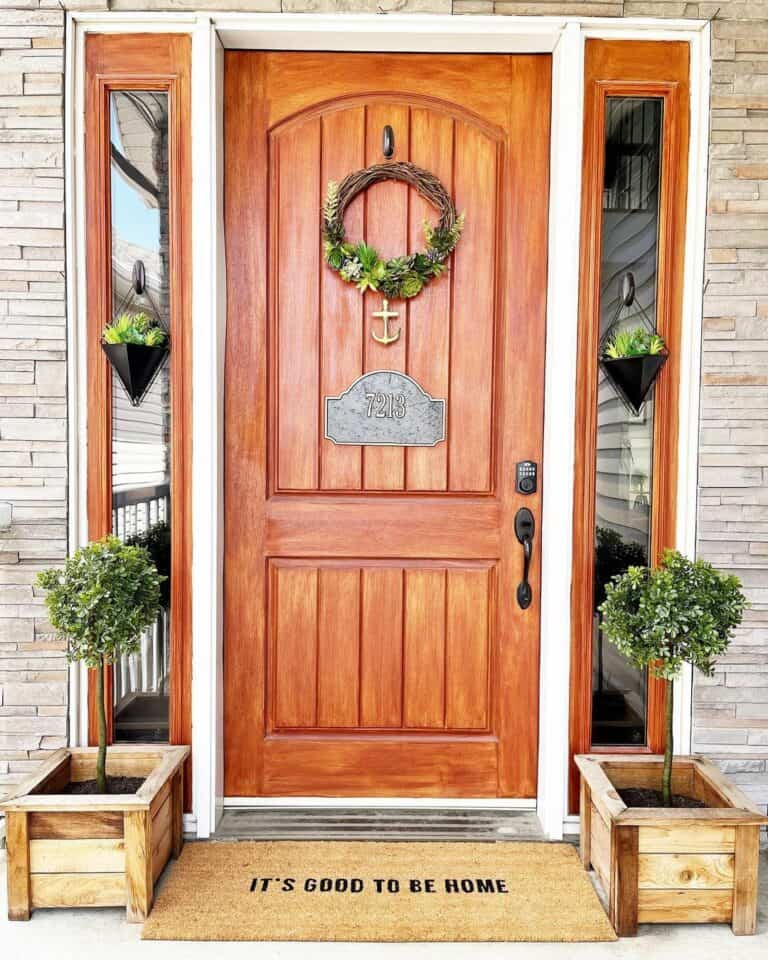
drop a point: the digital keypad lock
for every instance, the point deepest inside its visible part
(526, 477)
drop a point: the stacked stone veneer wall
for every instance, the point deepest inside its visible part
(33, 425)
(731, 709)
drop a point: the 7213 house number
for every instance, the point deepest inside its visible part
(386, 405)
(385, 408)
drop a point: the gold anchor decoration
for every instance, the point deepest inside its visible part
(385, 315)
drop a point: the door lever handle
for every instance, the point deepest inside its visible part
(525, 528)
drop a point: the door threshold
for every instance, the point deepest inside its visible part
(354, 823)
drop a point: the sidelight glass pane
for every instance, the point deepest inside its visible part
(630, 229)
(141, 435)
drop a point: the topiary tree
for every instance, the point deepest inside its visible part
(101, 601)
(682, 611)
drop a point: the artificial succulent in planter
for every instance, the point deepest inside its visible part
(632, 360)
(683, 611)
(136, 346)
(696, 863)
(104, 598)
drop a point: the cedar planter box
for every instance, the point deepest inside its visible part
(661, 865)
(100, 850)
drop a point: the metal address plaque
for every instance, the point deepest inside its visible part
(385, 408)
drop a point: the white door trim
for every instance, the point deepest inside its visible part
(563, 37)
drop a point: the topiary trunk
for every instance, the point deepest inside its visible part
(101, 756)
(666, 779)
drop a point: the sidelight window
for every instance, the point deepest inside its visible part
(624, 441)
(141, 453)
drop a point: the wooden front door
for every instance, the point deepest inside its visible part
(374, 645)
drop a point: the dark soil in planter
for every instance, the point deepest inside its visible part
(115, 785)
(645, 797)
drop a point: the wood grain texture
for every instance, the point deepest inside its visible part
(78, 890)
(161, 62)
(684, 906)
(394, 630)
(623, 775)
(745, 881)
(177, 813)
(343, 326)
(470, 452)
(386, 220)
(17, 844)
(88, 850)
(424, 649)
(297, 189)
(700, 837)
(139, 876)
(707, 871)
(245, 413)
(295, 646)
(585, 825)
(380, 766)
(377, 644)
(626, 68)
(671, 865)
(468, 638)
(338, 647)
(96, 825)
(51, 776)
(162, 837)
(727, 792)
(77, 856)
(429, 314)
(84, 767)
(623, 899)
(381, 647)
(600, 847)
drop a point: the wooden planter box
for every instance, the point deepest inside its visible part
(94, 851)
(660, 865)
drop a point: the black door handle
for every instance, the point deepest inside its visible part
(525, 527)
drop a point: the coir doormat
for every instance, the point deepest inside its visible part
(378, 892)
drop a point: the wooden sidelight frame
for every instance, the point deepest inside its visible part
(147, 61)
(643, 69)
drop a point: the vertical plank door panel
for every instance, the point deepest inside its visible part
(467, 650)
(424, 649)
(338, 647)
(341, 304)
(298, 259)
(295, 646)
(386, 228)
(473, 318)
(429, 314)
(381, 653)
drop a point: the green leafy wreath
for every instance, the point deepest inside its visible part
(358, 263)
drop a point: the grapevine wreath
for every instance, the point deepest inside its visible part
(401, 277)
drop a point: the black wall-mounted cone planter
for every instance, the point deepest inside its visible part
(136, 365)
(633, 377)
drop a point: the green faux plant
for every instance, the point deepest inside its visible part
(101, 601)
(137, 328)
(156, 540)
(638, 342)
(613, 554)
(681, 611)
(400, 277)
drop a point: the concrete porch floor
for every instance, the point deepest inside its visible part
(96, 934)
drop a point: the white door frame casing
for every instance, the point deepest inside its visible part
(563, 38)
